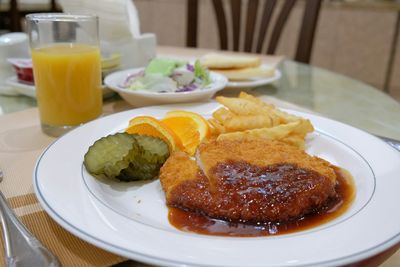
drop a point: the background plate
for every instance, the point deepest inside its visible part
(255, 82)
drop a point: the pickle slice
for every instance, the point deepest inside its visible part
(153, 149)
(146, 165)
(127, 157)
(113, 169)
(139, 170)
(110, 154)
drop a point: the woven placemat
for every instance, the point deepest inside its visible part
(21, 143)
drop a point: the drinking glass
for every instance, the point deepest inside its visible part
(67, 69)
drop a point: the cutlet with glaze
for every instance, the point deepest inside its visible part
(248, 181)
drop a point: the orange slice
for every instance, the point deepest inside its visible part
(190, 127)
(202, 124)
(147, 125)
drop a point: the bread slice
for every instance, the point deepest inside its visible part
(223, 61)
(246, 73)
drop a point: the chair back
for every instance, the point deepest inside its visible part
(232, 11)
(11, 19)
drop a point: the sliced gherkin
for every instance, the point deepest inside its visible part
(139, 171)
(153, 153)
(153, 149)
(127, 157)
(113, 169)
(110, 154)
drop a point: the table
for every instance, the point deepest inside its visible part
(321, 91)
(332, 95)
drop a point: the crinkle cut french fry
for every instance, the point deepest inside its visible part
(295, 140)
(275, 119)
(265, 108)
(273, 133)
(303, 128)
(222, 114)
(242, 123)
(233, 122)
(217, 127)
(239, 106)
(269, 108)
(248, 117)
(256, 100)
(285, 117)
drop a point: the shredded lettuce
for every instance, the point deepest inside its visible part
(167, 75)
(201, 73)
(163, 66)
(154, 83)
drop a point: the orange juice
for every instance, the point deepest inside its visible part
(68, 83)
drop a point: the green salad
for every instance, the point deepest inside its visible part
(168, 75)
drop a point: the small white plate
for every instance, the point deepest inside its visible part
(142, 98)
(21, 88)
(131, 219)
(8, 90)
(255, 82)
(30, 90)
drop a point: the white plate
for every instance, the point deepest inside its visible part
(131, 219)
(6, 89)
(21, 88)
(255, 82)
(30, 90)
(142, 98)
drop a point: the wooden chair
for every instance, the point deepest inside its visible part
(13, 16)
(306, 35)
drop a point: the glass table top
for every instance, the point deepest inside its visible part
(332, 95)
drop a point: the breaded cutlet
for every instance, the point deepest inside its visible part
(248, 181)
(260, 153)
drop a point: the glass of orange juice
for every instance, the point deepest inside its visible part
(67, 69)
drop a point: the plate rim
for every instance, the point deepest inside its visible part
(154, 260)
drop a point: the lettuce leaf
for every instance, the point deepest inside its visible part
(201, 73)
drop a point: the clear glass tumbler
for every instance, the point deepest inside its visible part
(67, 69)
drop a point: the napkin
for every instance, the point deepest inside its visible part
(119, 29)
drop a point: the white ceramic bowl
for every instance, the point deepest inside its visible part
(142, 98)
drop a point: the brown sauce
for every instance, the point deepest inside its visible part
(193, 222)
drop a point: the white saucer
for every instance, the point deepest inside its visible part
(8, 90)
(21, 88)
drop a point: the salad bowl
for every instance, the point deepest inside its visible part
(140, 98)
